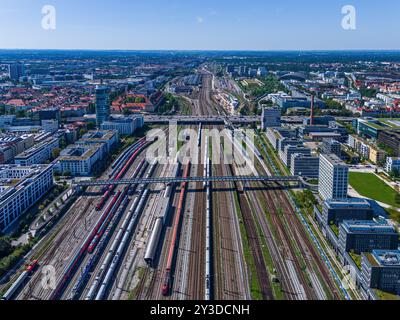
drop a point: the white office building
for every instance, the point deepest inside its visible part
(392, 163)
(333, 177)
(79, 160)
(39, 153)
(20, 188)
(124, 126)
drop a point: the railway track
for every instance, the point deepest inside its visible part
(307, 249)
(48, 255)
(229, 280)
(117, 224)
(78, 221)
(197, 259)
(296, 247)
(255, 246)
(133, 262)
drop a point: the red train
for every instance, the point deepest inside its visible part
(83, 248)
(32, 265)
(120, 174)
(166, 284)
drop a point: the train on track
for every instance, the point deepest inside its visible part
(154, 239)
(20, 280)
(120, 243)
(167, 282)
(101, 224)
(126, 161)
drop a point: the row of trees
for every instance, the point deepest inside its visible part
(170, 104)
(306, 200)
(135, 100)
(270, 85)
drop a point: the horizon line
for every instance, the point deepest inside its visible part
(205, 50)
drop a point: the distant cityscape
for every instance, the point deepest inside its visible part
(318, 218)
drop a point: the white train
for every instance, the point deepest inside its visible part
(155, 235)
(110, 263)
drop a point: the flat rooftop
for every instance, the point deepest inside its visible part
(381, 124)
(333, 159)
(348, 203)
(79, 152)
(387, 258)
(367, 226)
(324, 134)
(99, 135)
(35, 148)
(13, 177)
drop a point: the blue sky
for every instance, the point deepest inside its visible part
(200, 25)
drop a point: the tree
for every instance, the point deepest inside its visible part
(332, 104)
(126, 111)
(55, 153)
(11, 110)
(21, 113)
(66, 173)
(82, 132)
(139, 100)
(91, 108)
(245, 110)
(369, 93)
(5, 247)
(91, 125)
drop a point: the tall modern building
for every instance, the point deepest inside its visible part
(271, 117)
(333, 177)
(15, 71)
(102, 104)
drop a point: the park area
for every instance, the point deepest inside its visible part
(370, 186)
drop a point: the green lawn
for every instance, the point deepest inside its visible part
(369, 185)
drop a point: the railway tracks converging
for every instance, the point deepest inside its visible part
(226, 240)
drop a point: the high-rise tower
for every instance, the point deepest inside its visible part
(102, 104)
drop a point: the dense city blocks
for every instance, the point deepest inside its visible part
(197, 175)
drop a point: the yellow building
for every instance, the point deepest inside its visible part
(376, 155)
